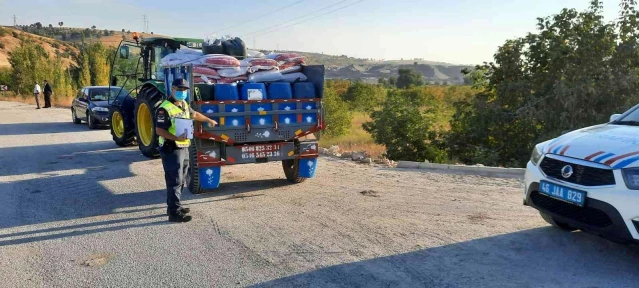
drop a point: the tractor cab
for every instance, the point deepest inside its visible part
(136, 68)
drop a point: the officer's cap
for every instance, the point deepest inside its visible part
(180, 83)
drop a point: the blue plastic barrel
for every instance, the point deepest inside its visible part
(280, 91)
(253, 91)
(210, 177)
(262, 119)
(307, 167)
(309, 118)
(287, 119)
(211, 109)
(234, 121)
(226, 92)
(304, 90)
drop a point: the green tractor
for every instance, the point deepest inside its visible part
(136, 71)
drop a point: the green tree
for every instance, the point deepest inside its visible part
(85, 72)
(573, 72)
(338, 116)
(409, 78)
(364, 97)
(405, 129)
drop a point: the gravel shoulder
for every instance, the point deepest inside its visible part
(79, 211)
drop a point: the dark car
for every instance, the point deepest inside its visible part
(92, 105)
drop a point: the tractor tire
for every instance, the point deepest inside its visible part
(146, 104)
(193, 177)
(121, 129)
(563, 226)
(90, 122)
(291, 171)
(75, 118)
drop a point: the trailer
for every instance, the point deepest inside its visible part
(274, 128)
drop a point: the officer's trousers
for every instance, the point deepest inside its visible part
(176, 165)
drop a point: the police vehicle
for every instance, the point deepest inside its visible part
(588, 179)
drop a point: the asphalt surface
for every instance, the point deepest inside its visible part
(78, 211)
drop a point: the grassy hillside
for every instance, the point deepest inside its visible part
(10, 39)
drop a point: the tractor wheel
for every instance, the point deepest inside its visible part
(193, 177)
(146, 103)
(121, 130)
(91, 121)
(291, 170)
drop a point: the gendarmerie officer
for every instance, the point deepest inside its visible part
(174, 149)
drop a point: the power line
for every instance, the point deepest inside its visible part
(300, 17)
(258, 17)
(305, 20)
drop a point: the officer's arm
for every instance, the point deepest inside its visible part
(200, 117)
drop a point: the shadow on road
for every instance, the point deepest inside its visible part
(543, 257)
(41, 128)
(52, 183)
(58, 157)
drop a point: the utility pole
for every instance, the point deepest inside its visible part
(145, 22)
(254, 43)
(15, 21)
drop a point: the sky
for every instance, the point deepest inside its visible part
(452, 31)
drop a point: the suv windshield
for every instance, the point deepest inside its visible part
(104, 94)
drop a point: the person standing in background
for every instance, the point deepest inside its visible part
(47, 94)
(36, 92)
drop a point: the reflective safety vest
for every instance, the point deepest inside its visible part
(175, 112)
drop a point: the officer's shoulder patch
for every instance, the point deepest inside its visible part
(160, 116)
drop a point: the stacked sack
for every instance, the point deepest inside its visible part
(289, 64)
(217, 68)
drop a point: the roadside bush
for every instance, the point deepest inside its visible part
(364, 97)
(1, 45)
(14, 34)
(406, 130)
(338, 117)
(3, 32)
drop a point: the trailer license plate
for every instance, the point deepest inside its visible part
(261, 151)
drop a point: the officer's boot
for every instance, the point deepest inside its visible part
(179, 216)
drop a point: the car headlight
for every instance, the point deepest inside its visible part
(100, 109)
(535, 156)
(631, 177)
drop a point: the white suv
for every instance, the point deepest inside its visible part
(588, 179)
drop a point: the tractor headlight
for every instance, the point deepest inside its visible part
(631, 177)
(535, 156)
(100, 109)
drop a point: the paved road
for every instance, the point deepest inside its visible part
(77, 211)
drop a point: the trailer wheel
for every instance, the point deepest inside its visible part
(193, 177)
(121, 130)
(291, 170)
(146, 103)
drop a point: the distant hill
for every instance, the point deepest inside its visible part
(344, 67)
(337, 67)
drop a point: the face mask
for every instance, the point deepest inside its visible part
(180, 95)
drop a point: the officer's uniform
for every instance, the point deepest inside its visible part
(175, 155)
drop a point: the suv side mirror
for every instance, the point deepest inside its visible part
(124, 52)
(614, 117)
